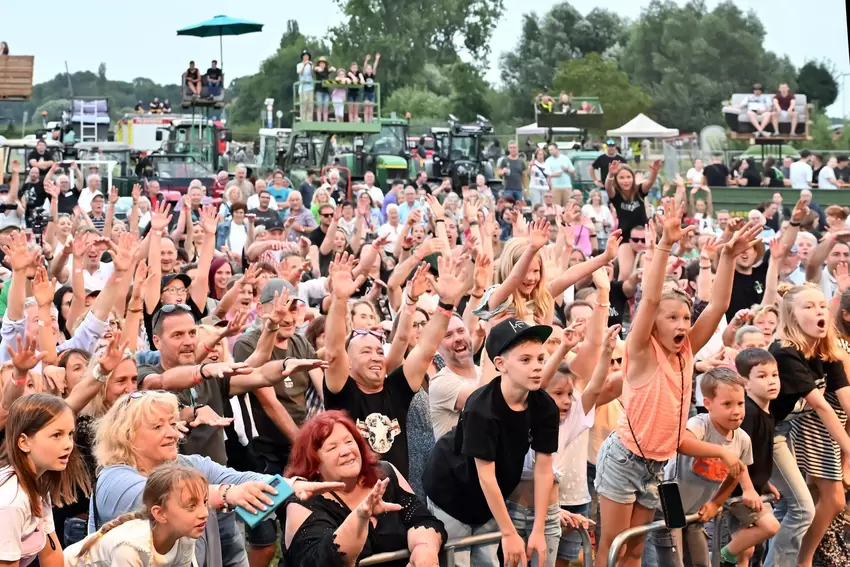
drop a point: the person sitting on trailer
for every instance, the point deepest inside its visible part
(214, 79)
(140, 107)
(155, 106)
(166, 106)
(193, 79)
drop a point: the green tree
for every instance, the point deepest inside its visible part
(621, 100)
(413, 33)
(559, 35)
(420, 103)
(817, 82)
(690, 59)
(469, 91)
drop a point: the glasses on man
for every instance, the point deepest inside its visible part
(636, 240)
(326, 215)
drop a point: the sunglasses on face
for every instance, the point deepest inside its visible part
(326, 215)
(617, 360)
(636, 240)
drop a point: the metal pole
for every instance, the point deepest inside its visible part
(221, 48)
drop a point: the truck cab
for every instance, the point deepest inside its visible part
(203, 138)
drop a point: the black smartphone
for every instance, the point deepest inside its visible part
(671, 505)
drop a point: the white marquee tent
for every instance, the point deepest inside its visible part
(642, 126)
(534, 130)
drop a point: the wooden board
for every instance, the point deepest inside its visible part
(16, 77)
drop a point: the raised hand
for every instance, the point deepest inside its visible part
(483, 273)
(222, 369)
(671, 221)
(282, 304)
(842, 275)
(600, 279)
(436, 207)
(161, 216)
(24, 357)
(43, 287)
(236, 325)
(572, 212)
(209, 221)
(205, 415)
(51, 188)
(113, 354)
(18, 255)
(520, 225)
(136, 193)
(538, 235)
(614, 241)
(655, 166)
(743, 239)
(128, 247)
(113, 195)
(342, 278)
(449, 287)
(709, 248)
(373, 504)
(141, 281)
(801, 210)
(16, 167)
(613, 168)
(612, 333)
(251, 275)
(418, 284)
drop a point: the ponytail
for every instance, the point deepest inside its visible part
(123, 518)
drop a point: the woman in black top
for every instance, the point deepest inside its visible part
(750, 176)
(369, 88)
(629, 200)
(772, 173)
(350, 525)
(193, 79)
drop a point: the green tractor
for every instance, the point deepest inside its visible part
(379, 147)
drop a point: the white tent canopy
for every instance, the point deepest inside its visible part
(642, 126)
(534, 130)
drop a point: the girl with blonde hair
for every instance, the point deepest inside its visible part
(811, 368)
(163, 532)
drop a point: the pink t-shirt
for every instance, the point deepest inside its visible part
(655, 408)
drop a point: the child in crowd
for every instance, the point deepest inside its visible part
(473, 469)
(658, 368)
(758, 367)
(338, 96)
(39, 467)
(810, 362)
(162, 533)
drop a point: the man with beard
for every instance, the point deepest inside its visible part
(453, 384)
(356, 380)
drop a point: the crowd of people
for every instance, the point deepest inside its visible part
(412, 364)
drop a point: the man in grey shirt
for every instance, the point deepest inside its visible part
(514, 172)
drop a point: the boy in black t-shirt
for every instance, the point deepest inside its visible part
(476, 466)
(758, 367)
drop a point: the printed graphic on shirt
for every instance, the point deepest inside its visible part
(711, 469)
(380, 431)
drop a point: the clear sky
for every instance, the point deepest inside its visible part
(141, 41)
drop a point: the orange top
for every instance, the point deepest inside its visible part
(655, 407)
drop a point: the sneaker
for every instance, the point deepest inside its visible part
(766, 134)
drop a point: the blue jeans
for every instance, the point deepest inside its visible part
(796, 500)
(523, 519)
(75, 530)
(515, 193)
(571, 543)
(232, 542)
(479, 556)
(214, 89)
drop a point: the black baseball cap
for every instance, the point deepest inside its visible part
(511, 331)
(273, 224)
(168, 278)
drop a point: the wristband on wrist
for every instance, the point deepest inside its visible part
(201, 374)
(446, 306)
(196, 378)
(794, 224)
(224, 491)
(473, 223)
(439, 220)
(19, 381)
(207, 348)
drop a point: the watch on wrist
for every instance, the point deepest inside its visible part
(99, 373)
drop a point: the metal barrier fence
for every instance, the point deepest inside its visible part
(482, 539)
(622, 538)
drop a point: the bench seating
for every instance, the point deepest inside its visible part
(738, 121)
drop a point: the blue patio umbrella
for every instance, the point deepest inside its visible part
(221, 26)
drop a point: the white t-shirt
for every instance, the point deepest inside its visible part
(23, 535)
(539, 173)
(442, 395)
(98, 279)
(392, 233)
(603, 215)
(129, 545)
(237, 239)
(801, 175)
(694, 177)
(85, 198)
(374, 192)
(254, 202)
(827, 173)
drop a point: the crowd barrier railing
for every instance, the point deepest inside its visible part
(623, 537)
(453, 545)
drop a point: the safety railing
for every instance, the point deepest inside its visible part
(453, 545)
(623, 537)
(334, 104)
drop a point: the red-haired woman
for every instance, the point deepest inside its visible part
(340, 527)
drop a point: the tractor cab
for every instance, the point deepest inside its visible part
(108, 152)
(459, 152)
(272, 146)
(18, 150)
(203, 138)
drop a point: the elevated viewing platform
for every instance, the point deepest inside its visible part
(305, 114)
(581, 112)
(16, 77)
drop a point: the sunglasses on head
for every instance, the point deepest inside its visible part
(363, 332)
(174, 307)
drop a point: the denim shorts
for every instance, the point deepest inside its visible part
(571, 544)
(322, 99)
(353, 95)
(523, 520)
(369, 96)
(626, 478)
